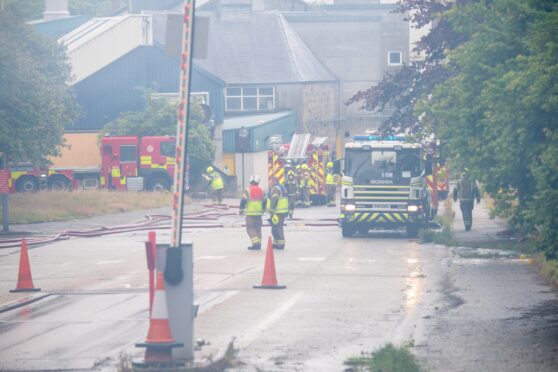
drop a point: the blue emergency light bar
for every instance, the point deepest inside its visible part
(378, 138)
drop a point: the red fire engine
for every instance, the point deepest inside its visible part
(127, 163)
(286, 157)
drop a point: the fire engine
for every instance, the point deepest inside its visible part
(127, 163)
(286, 157)
(384, 185)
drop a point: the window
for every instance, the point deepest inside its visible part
(395, 59)
(250, 98)
(168, 149)
(127, 153)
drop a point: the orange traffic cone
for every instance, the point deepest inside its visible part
(159, 341)
(24, 281)
(269, 280)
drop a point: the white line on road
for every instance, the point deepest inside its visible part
(249, 337)
(108, 262)
(315, 259)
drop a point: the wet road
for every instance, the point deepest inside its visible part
(343, 296)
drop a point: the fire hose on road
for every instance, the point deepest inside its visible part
(159, 222)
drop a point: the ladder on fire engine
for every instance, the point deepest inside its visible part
(298, 147)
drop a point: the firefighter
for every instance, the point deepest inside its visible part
(215, 184)
(466, 191)
(292, 190)
(252, 204)
(278, 209)
(330, 185)
(305, 185)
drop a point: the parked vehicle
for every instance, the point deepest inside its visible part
(127, 163)
(384, 185)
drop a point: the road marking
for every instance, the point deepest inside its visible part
(210, 258)
(108, 262)
(249, 337)
(315, 259)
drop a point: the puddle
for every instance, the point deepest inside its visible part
(486, 253)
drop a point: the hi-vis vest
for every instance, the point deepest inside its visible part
(330, 179)
(282, 205)
(254, 194)
(217, 181)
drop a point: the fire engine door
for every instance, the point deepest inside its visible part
(128, 162)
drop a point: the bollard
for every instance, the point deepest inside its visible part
(178, 266)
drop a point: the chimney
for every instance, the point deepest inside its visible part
(55, 9)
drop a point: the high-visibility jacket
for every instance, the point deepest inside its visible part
(216, 181)
(466, 189)
(279, 200)
(330, 178)
(253, 199)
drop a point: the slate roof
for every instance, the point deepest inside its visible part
(262, 49)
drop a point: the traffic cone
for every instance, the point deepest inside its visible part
(24, 281)
(269, 280)
(159, 341)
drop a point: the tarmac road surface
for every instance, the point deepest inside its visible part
(343, 296)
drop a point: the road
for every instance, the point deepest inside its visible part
(343, 297)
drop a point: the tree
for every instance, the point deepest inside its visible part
(493, 101)
(35, 99)
(158, 119)
(29, 10)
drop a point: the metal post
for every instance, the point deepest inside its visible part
(179, 181)
(5, 215)
(243, 178)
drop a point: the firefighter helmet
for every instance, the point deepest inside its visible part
(255, 179)
(329, 164)
(210, 169)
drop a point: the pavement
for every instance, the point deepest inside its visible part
(487, 314)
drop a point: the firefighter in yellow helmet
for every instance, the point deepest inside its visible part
(305, 185)
(252, 204)
(292, 190)
(216, 185)
(278, 209)
(330, 185)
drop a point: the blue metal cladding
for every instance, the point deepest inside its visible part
(57, 28)
(260, 128)
(119, 87)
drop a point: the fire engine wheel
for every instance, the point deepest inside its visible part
(27, 184)
(58, 183)
(347, 231)
(412, 230)
(159, 185)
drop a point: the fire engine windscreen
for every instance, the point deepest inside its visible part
(382, 163)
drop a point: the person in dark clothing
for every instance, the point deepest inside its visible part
(466, 191)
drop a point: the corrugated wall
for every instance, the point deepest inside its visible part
(118, 87)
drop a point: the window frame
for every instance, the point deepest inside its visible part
(243, 97)
(400, 58)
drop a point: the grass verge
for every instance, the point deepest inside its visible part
(445, 236)
(66, 205)
(547, 268)
(387, 359)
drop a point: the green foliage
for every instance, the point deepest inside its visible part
(29, 10)
(159, 119)
(35, 99)
(494, 102)
(387, 359)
